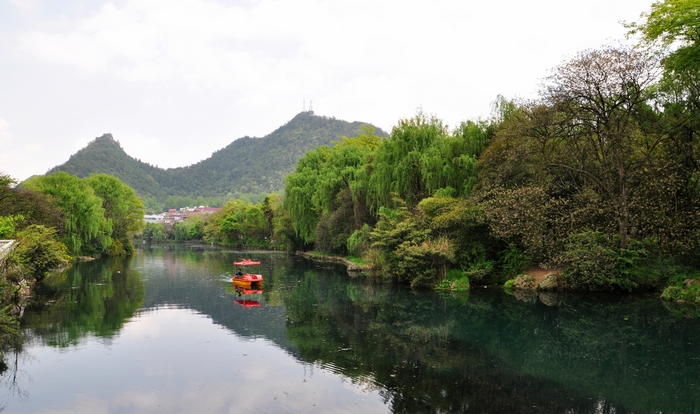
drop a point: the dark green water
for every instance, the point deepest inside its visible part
(164, 331)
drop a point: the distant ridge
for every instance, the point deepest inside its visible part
(246, 165)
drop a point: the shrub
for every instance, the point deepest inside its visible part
(689, 291)
(513, 261)
(592, 261)
(480, 270)
(456, 281)
(358, 242)
(38, 251)
(509, 284)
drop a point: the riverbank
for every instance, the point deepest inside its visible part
(352, 267)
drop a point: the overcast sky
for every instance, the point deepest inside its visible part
(175, 80)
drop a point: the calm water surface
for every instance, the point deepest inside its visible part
(164, 331)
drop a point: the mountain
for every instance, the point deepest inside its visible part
(247, 165)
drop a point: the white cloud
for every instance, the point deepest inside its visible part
(25, 5)
(22, 157)
(179, 70)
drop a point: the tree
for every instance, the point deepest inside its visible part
(300, 190)
(88, 232)
(674, 24)
(397, 167)
(123, 208)
(329, 186)
(598, 135)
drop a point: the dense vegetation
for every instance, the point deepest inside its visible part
(598, 177)
(247, 169)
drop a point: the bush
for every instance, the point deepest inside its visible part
(689, 291)
(480, 270)
(38, 251)
(513, 261)
(509, 284)
(592, 261)
(358, 242)
(455, 281)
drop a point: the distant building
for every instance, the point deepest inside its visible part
(175, 216)
(172, 216)
(153, 218)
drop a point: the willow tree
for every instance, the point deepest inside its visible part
(397, 165)
(123, 208)
(325, 195)
(87, 230)
(422, 158)
(300, 191)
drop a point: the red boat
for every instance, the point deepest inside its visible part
(248, 280)
(246, 262)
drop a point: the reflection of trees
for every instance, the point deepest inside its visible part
(89, 298)
(492, 353)
(9, 371)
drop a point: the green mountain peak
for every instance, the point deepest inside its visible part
(246, 165)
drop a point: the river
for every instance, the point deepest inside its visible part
(164, 331)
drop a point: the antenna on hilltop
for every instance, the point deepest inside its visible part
(311, 107)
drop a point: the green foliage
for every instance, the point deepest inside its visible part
(422, 157)
(461, 221)
(513, 261)
(480, 270)
(192, 229)
(37, 252)
(673, 24)
(455, 281)
(34, 207)
(358, 242)
(238, 224)
(88, 232)
(689, 292)
(6, 180)
(326, 194)
(509, 284)
(154, 232)
(300, 194)
(8, 225)
(122, 208)
(592, 261)
(406, 250)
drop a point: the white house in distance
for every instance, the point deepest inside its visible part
(153, 218)
(176, 216)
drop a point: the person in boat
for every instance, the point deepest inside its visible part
(239, 274)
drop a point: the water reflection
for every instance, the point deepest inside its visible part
(91, 298)
(168, 324)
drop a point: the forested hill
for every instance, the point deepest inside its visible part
(247, 165)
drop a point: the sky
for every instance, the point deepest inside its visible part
(175, 80)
